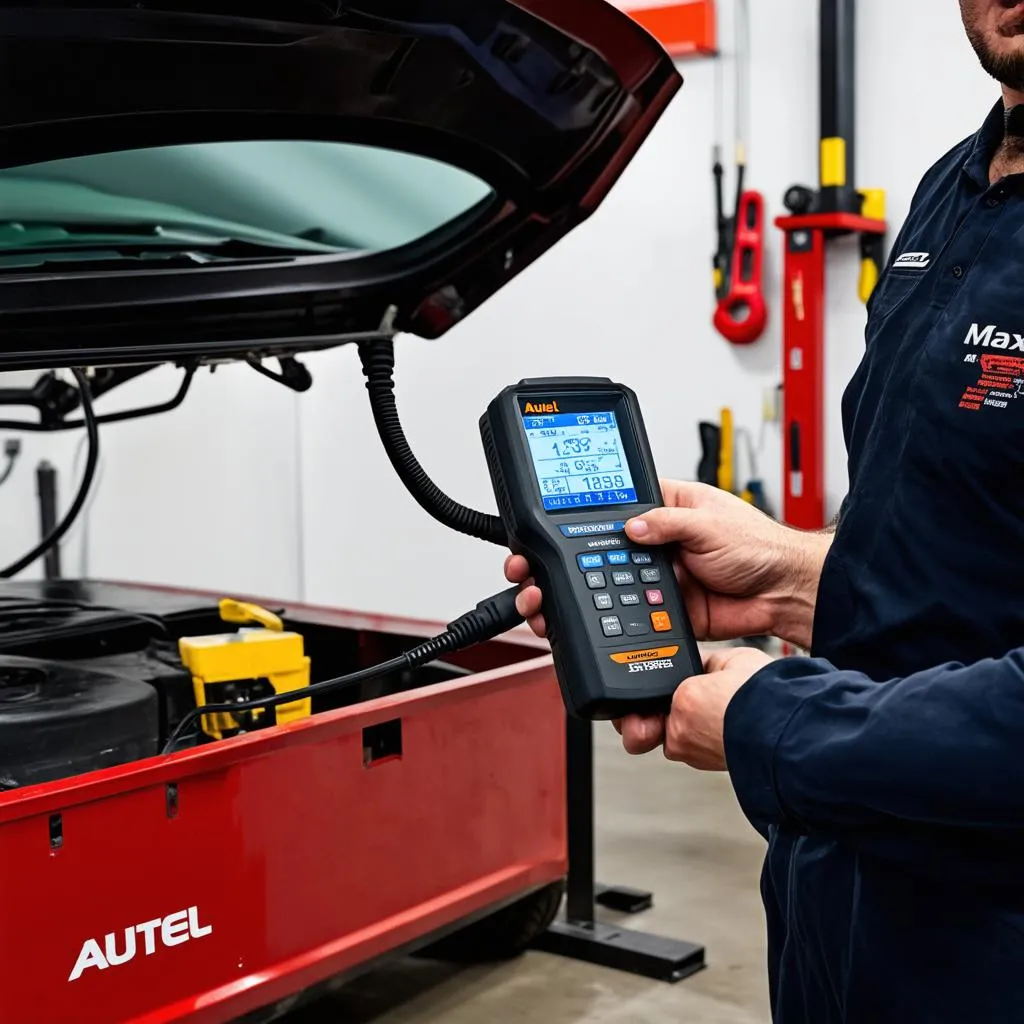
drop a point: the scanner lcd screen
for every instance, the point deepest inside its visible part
(579, 459)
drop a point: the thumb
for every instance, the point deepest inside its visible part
(666, 526)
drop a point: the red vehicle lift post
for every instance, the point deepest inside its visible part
(836, 209)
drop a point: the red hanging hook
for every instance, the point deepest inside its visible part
(741, 314)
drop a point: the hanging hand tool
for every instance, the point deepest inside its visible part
(741, 313)
(753, 493)
(710, 453)
(726, 450)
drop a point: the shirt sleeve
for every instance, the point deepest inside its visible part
(928, 765)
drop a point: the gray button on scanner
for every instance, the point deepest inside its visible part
(611, 626)
(602, 602)
(596, 580)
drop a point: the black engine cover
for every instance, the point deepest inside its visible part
(59, 720)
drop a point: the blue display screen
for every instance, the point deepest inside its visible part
(579, 460)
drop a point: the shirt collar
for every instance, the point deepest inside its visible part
(986, 142)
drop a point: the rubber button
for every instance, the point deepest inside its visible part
(637, 627)
(642, 558)
(629, 599)
(661, 622)
(623, 579)
(654, 597)
(594, 561)
(596, 580)
(618, 558)
(650, 575)
(611, 626)
(603, 602)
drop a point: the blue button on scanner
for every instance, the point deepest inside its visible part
(590, 561)
(618, 558)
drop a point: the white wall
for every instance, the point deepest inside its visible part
(206, 495)
(297, 498)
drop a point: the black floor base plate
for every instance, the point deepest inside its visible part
(621, 949)
(623, 899)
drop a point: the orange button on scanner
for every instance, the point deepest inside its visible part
(661, 622)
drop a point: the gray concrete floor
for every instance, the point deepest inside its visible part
(661, 827)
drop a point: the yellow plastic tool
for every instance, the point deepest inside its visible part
(726, 469)
(222, 664)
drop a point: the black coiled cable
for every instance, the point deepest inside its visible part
(378, 359)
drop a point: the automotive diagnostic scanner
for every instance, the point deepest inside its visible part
(570, 463)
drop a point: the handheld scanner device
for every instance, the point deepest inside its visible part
(570, 463)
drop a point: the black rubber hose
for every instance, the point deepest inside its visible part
(58, 532)
(378, 359)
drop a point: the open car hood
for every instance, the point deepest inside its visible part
(447, 144)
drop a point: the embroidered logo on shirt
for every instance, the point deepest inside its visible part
(912, 261)
(1001, 382)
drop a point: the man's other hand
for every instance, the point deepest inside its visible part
(694, 730)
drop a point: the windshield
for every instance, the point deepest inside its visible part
(288, 196)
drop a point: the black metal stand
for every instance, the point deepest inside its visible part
(578, 935)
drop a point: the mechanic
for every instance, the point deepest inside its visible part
(886, 769)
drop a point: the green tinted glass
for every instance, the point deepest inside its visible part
(318, 197)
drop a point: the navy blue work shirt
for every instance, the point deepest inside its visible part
(887, 769)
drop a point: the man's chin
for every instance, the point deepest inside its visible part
(1003, 58)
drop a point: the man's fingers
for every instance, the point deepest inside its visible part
(528, 601)
(684, 526)
(689, 494)
(641, 735)
(717, 660)
(517, 569)
(538, 625)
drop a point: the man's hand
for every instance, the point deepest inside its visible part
(694, 729)
(741, 573)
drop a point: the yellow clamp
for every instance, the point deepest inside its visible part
(240, 612)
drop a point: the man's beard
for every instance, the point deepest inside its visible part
(1008, 71)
